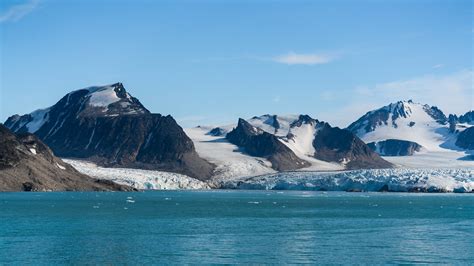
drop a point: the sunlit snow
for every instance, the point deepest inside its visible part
(140, 179)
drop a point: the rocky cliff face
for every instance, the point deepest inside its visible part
(257, 142)
(467, 118)
(395, 147)
(27, 164)
(109, 126)
(333, 144)
(466, 139)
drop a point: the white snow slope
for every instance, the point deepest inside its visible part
(301, 143)
(438, 149)
(140, 179)
(102, 96)
(229, 160)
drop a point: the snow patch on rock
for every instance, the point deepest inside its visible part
(60, 166)
(38, 118)
(102, 96)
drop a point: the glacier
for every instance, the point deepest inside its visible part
(137, 178)
(394, 180)
(460, 180)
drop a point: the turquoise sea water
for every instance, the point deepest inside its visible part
(175, 227)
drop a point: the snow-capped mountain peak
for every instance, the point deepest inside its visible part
(109, 100)
(398, 114)
(404, 120)
(103, 96)
(400, 109)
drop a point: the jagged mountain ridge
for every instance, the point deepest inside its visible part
(405, 127)
(422, 124)
(105, 124)
(394, 115)
(310, 139)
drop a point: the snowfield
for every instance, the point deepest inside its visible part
(418, 126)
(397, 180)
(230, 162)
(137, 178)
(439, 159)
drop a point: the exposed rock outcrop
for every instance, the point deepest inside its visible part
(257, 142)
(395, 147)
(466, 139)
(27, 164)
(333, 144)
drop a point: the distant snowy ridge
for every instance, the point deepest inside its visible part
(419, 124)
(395, 180)
(404, 120)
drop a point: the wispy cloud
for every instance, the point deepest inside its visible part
(292, 58)
(438, 66)
(17, 12)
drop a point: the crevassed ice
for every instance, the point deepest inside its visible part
(140, 179)
(450, 180)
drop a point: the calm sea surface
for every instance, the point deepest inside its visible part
(235, 227)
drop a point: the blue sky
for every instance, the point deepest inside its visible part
(210, 62)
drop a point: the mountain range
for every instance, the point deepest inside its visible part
(109, 127)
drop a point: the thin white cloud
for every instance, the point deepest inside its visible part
(17, 12)
(276, 99)
(438, 66)
(303, 59)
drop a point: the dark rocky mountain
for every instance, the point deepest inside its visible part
(466, 139)
(257, 142)
(110, 127)
(395, 147)
(27, 164)
(452, 120)
(467, 118)
(216, 132)
(455, 121)
(295, 133)
(333, 144)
